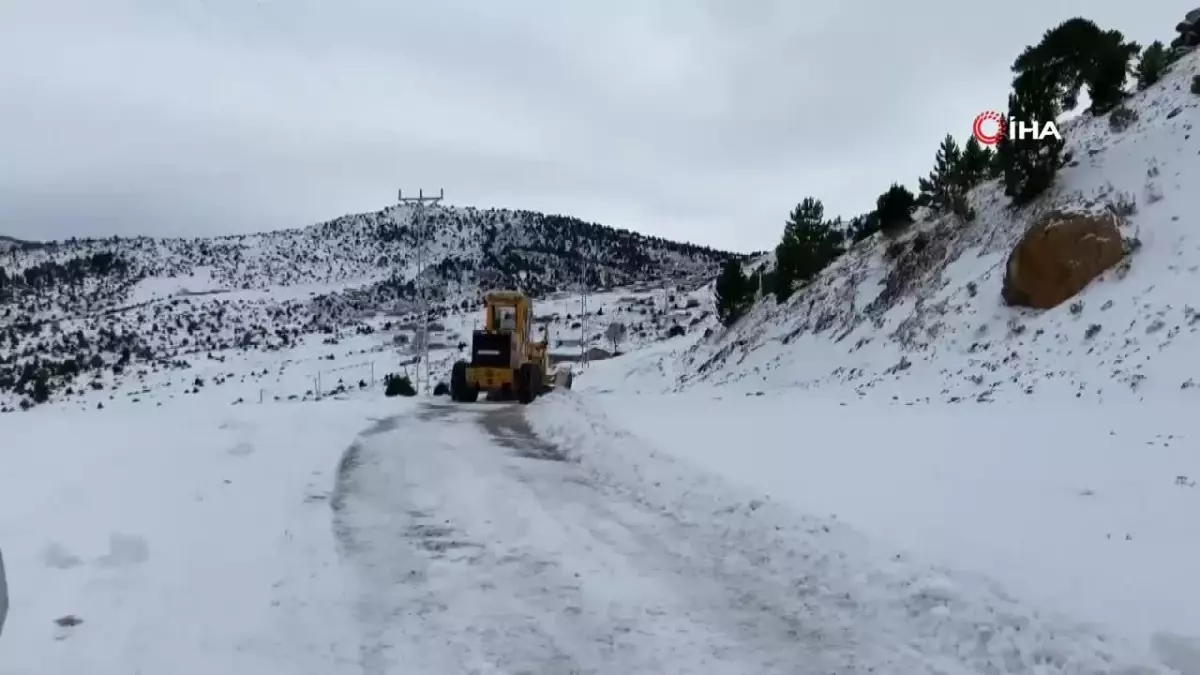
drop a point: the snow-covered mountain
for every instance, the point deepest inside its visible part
(77, 313)
(919, 317)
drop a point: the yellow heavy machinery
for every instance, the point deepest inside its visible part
(505, 361)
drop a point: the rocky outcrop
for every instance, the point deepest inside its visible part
(1060, 255)
(1189, 33)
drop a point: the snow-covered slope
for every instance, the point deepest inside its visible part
(1051, 450)
(931, 325)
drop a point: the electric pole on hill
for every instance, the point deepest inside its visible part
(418, 203)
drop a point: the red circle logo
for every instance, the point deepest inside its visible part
(989, 127)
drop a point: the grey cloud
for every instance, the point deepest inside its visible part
(704, 120)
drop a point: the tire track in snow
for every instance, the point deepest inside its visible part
(395, 536)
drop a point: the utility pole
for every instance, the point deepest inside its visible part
(418, 203)
(583, 320)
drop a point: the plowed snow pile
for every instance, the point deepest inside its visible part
(864, 596)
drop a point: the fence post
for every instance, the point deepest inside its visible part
(372, 373)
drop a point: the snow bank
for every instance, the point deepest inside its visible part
(966, 620)
(194, 540)
(1089, 510)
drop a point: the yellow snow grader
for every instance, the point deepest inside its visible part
(505, 362)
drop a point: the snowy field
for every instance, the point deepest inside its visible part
(193, 540)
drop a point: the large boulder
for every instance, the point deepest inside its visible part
(1058, 256)
(1189, 33)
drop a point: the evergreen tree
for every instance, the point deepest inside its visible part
(41, 388)
(935, 190)
(863, 226)
(783, 281)
(734, 292)
(1110, 66)
(766, 283)
(995, 164)
(838, 236)
(809, 243)
(895, 207)
(975, 164)
(1074, 54)
(1057, 63)
(1030, 164)
(1152, 66)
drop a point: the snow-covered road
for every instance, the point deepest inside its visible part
(481, 550)
(479, 547)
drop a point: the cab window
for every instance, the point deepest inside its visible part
(506, 318)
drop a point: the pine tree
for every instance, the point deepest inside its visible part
(734, 293)
(974, 166)
(1058, 63)
(895, 207)
(1111, 64)
(41, 388)
(766, 283)
(935, 190)
(995, 164)
(863, 226)
(809, 243)
(1152, 66)
(783, 282)
(1077, 53)
(1030, 164)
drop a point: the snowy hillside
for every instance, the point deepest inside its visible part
(920, 317)
(82, 314)
(1052, 450)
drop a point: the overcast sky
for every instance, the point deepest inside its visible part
(703, 120)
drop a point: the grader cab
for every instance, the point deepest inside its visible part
(505, 362)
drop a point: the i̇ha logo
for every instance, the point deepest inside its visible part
(990, 128)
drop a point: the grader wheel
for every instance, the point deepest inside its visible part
(460, 391)
(528, 383)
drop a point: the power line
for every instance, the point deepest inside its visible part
(419, 225)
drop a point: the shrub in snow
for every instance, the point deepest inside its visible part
(895, 208)
(398, 385)
(615, 334)
(441, 389)
(960, 207)
(1120, 118)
